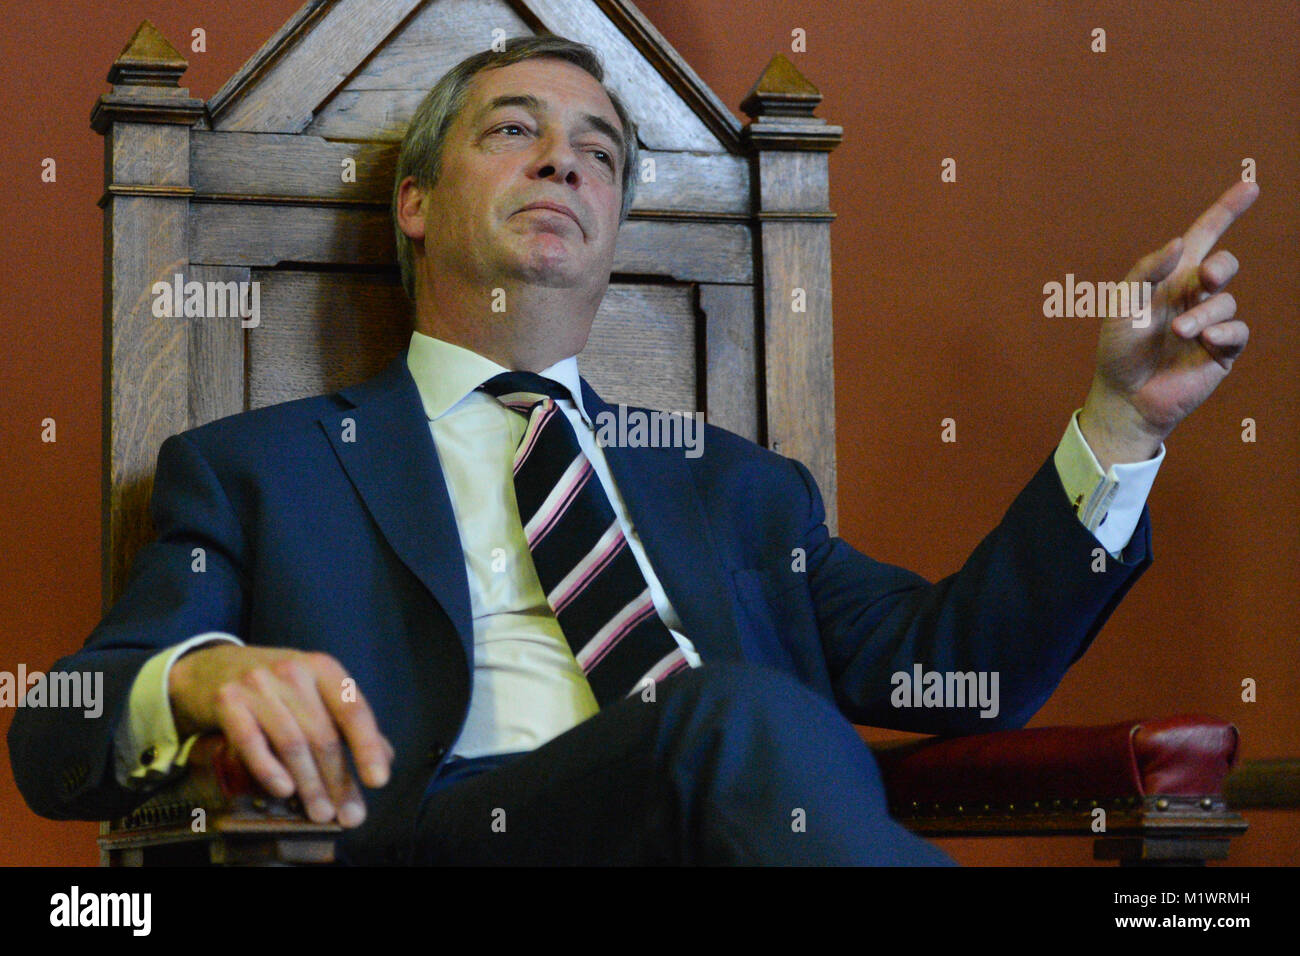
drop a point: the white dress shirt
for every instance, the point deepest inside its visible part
(526, 686)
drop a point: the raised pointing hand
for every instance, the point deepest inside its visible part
(1152, 374)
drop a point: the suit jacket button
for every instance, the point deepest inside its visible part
(148, 755)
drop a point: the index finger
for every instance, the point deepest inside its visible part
(1214, 222)
(348, 706)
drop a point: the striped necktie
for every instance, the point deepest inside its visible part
(587, 571)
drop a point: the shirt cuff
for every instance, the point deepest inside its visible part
(146, 747)
(1109, 505)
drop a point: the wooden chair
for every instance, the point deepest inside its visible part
(283, 179)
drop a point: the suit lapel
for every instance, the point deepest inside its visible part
(392, 462)
(665, 509)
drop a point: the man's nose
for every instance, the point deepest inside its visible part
(558, 160)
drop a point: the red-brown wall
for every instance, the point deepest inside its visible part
(1067, 161)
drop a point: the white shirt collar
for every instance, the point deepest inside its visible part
(446, 373)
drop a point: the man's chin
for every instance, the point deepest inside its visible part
(553, 269)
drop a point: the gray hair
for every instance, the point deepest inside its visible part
(421, 153)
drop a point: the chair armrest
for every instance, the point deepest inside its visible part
(1171, 756)
(217, 803)
(1149, 791)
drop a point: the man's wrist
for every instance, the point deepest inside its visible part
(176, 693)
(1113, 432)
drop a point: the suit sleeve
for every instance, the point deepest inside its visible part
(1025, 605)
(189, 580)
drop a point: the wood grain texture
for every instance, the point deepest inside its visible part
(322, 331)
(798, 351)
(153, 154)
(314, 64)
(216, 355)
(266, 235)
(696, 182)
(642, 348)
(732, 374)
(377, 115)
(271, 164)
(797, 183)
(697, 94)
(686, 251)
(267, 54)
(448, 26)
(146, 395)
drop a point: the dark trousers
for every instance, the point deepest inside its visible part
(730, 764)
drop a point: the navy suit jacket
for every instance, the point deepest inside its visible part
(350, 547)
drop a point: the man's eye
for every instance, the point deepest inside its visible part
(605, 157)
(502, 129)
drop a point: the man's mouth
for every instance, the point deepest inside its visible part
(553, 207)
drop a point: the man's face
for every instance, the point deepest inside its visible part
(536, 134)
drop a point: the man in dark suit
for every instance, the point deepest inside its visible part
(530, 647)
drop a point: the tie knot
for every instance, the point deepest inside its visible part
(511, 383)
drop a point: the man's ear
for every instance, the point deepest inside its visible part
(410, 209)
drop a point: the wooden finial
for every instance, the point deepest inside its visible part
(146, 85)
(781, 91)
(148, 60)
(780, 109)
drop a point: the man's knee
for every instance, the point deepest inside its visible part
(731, 688)
(760, 767)
(755, 714)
